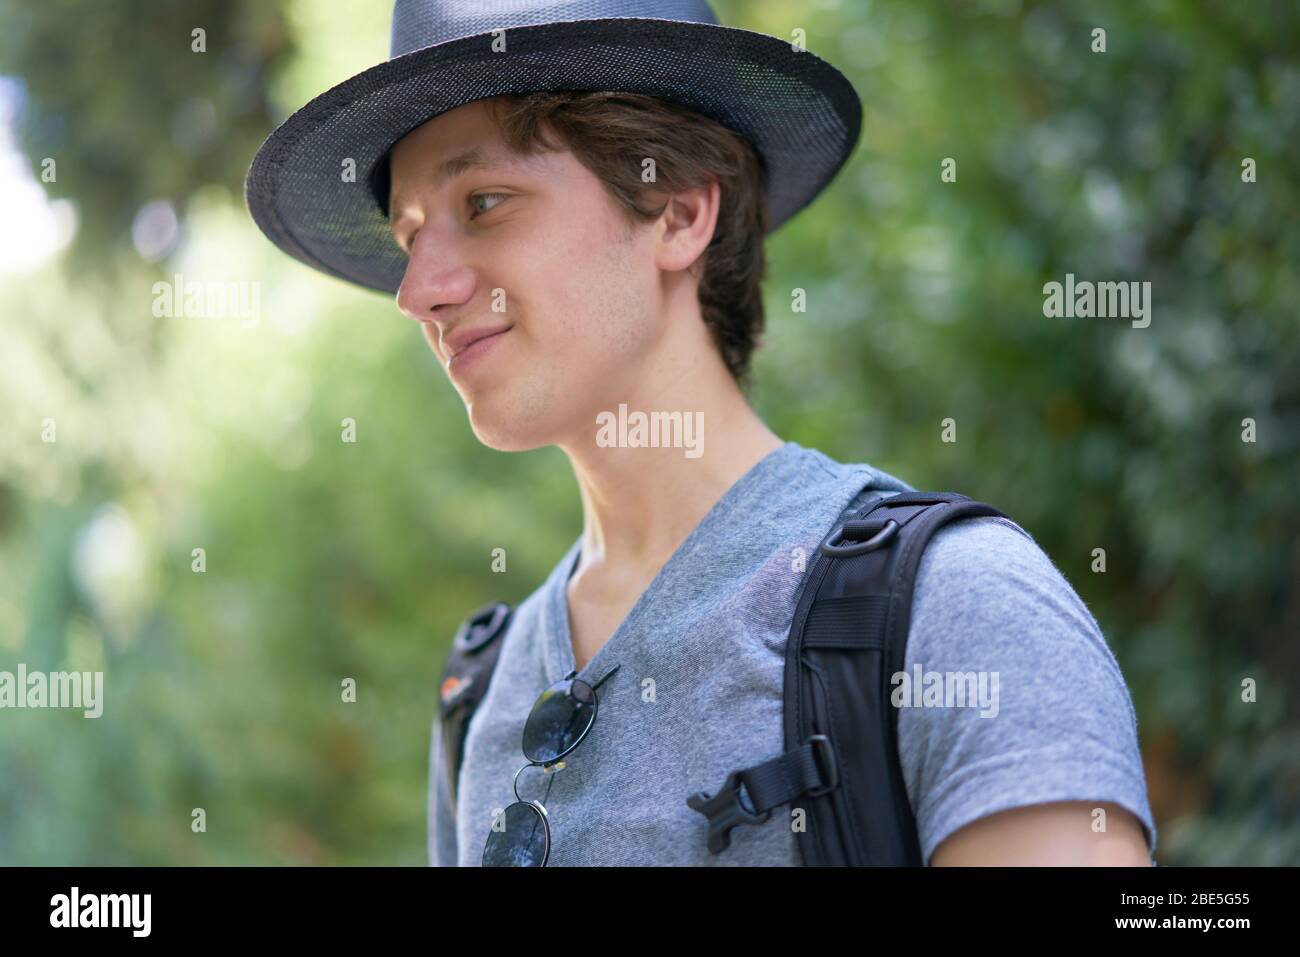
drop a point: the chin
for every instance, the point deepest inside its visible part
(506, 433)
(516, 413)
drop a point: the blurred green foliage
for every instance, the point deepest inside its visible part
(118, 95)
(327, 560)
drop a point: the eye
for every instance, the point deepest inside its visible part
(410, 241)
(479, 196)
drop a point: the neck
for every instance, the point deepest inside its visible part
(639, 504)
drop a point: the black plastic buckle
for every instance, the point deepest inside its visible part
(831, 548)
(724, 811)
(827, 750)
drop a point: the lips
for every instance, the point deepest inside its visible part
(479, 348)
(462, 339)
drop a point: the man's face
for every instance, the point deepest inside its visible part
(534, 246)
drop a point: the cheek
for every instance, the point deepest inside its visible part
(601, 302)
(586, 292)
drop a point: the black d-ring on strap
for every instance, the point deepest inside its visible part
(831, 548)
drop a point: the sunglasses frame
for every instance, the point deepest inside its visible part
(550, 766)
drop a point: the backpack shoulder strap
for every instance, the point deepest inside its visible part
(465, 678)
(849, 636)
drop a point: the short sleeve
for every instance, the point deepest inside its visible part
(1052, 719)
(441, 812)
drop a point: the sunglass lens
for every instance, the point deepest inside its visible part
(558, 720)
(519, 837)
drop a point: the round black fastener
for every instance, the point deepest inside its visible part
(480, 628)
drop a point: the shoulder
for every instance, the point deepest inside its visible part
(984, 585)
(1055, 723)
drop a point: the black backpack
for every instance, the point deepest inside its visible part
(848, 637)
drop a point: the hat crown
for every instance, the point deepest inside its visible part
(422, 23)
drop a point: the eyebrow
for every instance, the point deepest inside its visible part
(474, 158)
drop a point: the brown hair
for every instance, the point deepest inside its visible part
(611, 133)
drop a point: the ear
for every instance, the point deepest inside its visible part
(686, 226)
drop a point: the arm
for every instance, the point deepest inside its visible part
(1059, 833)
(441, 812)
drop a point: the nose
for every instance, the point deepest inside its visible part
(436, 281)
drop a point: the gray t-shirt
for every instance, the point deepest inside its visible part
(698, 692)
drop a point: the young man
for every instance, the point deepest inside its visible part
(564, 290)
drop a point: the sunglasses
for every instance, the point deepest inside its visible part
(557, 723)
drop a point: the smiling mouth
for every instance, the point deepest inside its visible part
(475, 349)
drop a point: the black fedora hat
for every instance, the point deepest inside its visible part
(800, 113)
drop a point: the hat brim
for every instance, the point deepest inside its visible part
(801, 114)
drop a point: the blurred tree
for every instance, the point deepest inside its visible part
(141, 103)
